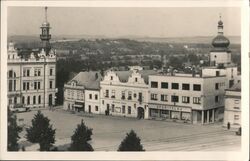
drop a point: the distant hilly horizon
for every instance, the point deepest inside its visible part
(188, 40)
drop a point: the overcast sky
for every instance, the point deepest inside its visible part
(116, 22)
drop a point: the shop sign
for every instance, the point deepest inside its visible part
(171, 108)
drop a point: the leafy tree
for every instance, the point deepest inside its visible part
(13, 132)
(131, 143)
(80, 138)
(41, 132)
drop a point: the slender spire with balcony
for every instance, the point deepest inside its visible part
(45, 36)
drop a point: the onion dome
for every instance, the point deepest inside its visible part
(220, 41)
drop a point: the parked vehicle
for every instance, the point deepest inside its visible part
(19, 108)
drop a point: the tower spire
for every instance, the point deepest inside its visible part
(46, 8)
(220, 26)
(45, 35)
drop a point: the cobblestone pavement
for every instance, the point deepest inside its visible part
(109, 131)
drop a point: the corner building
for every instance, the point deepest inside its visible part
(186, 97)
(32, 73)
(195, 98)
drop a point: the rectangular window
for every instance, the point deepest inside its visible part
(185, 86)
(23, 100)
(28, 100)
(34, 99)
(38, 85)
(107, 93)
(236, 108)
(113, 94)
(10, 85)
(123, 109)
(174, 98)
(216, 99)
(14, 85)
(113, 108)
(153, 96)
(35, 72)
(123, 95)
(197, 87)
(96, 108)
(129, 109)
(35, 85)
(39, 99)
(51, 72)
(90, 96)
(185, 99)
(129, 95)
(216, 86)
(50, 84)
(28, 73)
(136, 79)
(96, 97)
(175, 85)
(24, 85)
(154, 84)
(164, 97)
(236, 101)
(196, 100)
(236, 117)
(164, 85)
(217, 73)
(28, 85)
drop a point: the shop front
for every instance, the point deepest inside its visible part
(170, 112)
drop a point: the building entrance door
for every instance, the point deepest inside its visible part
(50, 100)
(140, 113)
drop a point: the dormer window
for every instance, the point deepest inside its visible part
(111, 78)
(136, 79)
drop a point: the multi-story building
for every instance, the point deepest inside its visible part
(188, 97)
(125, 93)
(232, 113)
(32, 73)
(82, 93)
(197, 99)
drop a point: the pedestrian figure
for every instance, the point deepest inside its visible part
(228, 125)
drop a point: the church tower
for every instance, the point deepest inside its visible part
(220, 55)
(45, 35)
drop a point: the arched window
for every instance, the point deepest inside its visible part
(28, 100)
(23, 100)
(34, 99)
(39, 99)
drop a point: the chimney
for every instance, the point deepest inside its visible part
(193, 71)
(200, 72)
(172, 71)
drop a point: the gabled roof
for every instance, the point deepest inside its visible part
(124, 75)
(90, 80)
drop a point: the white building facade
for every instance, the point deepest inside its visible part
(82, 93)
(32, 74)
(232, 114)
(125, 93)
(186, 97)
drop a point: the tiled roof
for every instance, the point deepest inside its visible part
(124, 75)
(90, 80)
